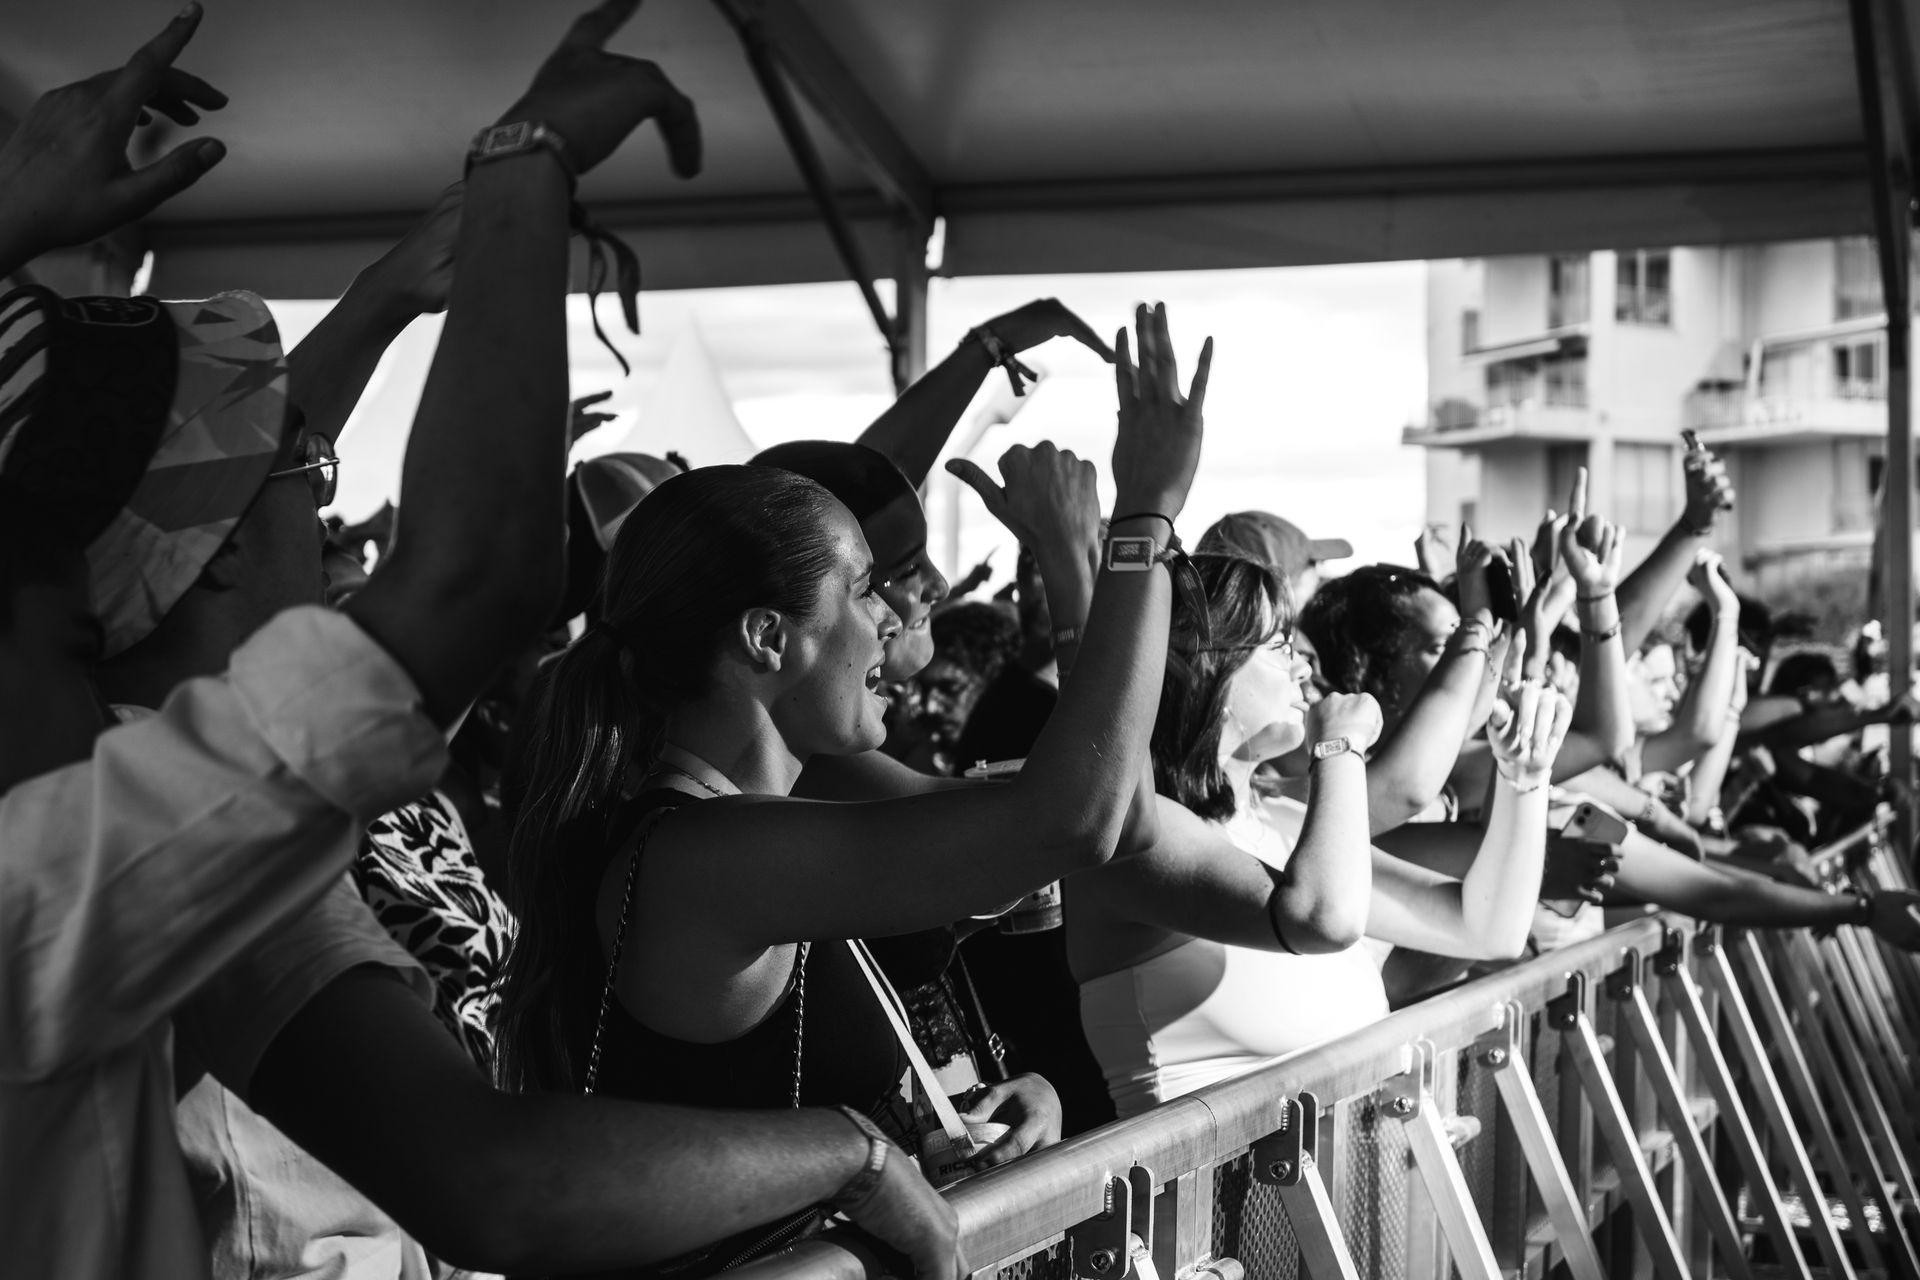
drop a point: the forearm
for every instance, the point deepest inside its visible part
(914, 430)
(1498, 892)
(1722, 894)
(1320, 905)
(477, 550)
(1602, 710)
(1710, 774)
(365, 1079)
(330, 369)
(1644, 594)
(1410, 769)
(1639, 807)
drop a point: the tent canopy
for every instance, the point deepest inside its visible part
(1050, 135)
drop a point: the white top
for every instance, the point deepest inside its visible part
(129, 879)
(1205, 1010)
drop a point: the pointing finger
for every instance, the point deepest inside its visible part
(141, 76)
(1577, 505)
(991, 494)
(1197, 393)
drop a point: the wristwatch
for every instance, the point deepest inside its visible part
(1331, 747)
(1138, 554)
(497, 142)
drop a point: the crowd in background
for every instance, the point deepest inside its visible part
(632, 869)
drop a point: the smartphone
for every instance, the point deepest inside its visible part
(1591, 822)
(1500, 595)
(1692, 440)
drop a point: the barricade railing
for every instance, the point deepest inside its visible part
(1655, 1101)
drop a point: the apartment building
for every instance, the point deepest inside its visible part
(1775, 354)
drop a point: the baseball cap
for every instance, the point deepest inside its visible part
(1273, 541)
(219, 435)
(611, 486)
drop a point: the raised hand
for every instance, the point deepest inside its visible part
(64, 176)
(584, 418)
(1544, 604)
(418, 272)
(593, 99)
(1434, 552)
(1591, 547)
(1709, 577)
(1353, 716)
(1709, 491)
(1528, 725)
(1051, 499)
(1157, 448)
(1044, 318)
(1472, 563)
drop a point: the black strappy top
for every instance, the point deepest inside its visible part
(850, 1056)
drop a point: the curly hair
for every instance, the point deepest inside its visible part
(1362, 624)
(1247, 606)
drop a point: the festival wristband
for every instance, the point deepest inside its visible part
(861, 1186)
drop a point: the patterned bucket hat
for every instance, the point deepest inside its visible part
(74, 443)
(221, 433)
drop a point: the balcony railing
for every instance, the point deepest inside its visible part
(1859, 410)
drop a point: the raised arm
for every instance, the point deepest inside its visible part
(64, 176)
(366, 1079)
(1591, 548)
(1194, 880)
(836, 871)
(474, 569)
(1414, 761)
(1489, 912)
(915, 428)
(331, 367)
(1642, 808)
(1644, 594)
(1701, 716)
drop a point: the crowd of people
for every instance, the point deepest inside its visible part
(641, 866)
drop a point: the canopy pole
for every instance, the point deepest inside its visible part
(1891, 176)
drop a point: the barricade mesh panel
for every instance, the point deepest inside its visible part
(1373, 1210)
(1478, 1097)
(1250, 1225)
(1051, 1263)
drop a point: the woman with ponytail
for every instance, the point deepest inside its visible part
(742, 634)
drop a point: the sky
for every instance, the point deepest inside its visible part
(1315, 372)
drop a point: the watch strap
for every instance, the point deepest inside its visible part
(498, 142)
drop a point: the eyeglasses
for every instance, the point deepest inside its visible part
(321, 466)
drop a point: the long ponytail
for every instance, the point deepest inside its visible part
(695, 554)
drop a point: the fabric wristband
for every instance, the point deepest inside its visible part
(861, 1186)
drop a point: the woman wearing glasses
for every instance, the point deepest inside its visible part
(1234, 939)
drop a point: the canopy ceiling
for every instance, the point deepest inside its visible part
(1052, 135)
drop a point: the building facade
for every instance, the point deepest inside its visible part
(1774, 354)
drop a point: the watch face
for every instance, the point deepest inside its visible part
(1130, 553)
(506, 137)
(1331, 747)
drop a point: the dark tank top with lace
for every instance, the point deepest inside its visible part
(849, 1056)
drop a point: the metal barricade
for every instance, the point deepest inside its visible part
(1658, 1101)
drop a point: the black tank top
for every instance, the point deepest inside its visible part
(849, 1056)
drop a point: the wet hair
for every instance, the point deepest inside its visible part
(1247, 605)
(1362, 624)
(695, 554)
(864, 479)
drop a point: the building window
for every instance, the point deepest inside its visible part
(1856, 279)
(1643, 286)
(1646, 486)
(1469, 331)
(1567, 276)
(1859, 372)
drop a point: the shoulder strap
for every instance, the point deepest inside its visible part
(644, 828)
(943, 1109)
